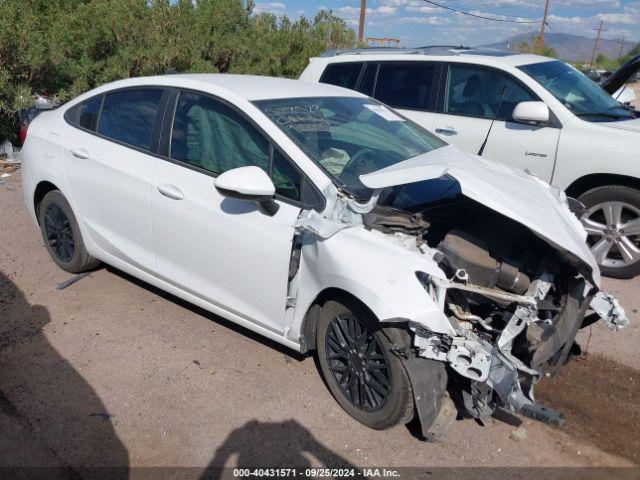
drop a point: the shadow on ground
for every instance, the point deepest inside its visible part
(49, 415)
(601, 400)
(273, 445)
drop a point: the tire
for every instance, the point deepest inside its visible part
(61, 234)
(612, 220)
(376, 411)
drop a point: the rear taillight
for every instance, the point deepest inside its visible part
(23, 133)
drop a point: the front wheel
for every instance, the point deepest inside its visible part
(612, 222)
(364, 377)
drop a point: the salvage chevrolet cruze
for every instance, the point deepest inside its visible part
(428, 281)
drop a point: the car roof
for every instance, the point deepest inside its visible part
(435, 52)
(249, 87)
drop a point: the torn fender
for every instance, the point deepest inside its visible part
(374, 269)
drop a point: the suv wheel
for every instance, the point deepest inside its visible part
(612, 221)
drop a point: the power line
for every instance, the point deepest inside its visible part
(474, 15)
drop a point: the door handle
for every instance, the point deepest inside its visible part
(80, 153)
(446, 131)
(170, 191)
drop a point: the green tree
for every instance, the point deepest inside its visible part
(64, 47)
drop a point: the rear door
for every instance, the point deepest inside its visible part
(225, 251)
(473, 96)
(410, 87)
(109, 168)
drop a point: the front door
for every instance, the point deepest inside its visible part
(224, 251)
(475, 96)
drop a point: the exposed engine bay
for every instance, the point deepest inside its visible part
(483, 269)
(515, 303)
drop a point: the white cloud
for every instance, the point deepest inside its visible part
(425, 20)
(270, 7)
(382, 10)
(619, 18)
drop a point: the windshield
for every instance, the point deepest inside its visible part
(349, 136)
(577, 92)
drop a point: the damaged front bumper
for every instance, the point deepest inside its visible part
(495, 375)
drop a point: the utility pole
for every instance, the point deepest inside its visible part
(595, 47)
(540, 40)
(621, 45)
(363, 10)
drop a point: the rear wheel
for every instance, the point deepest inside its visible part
(61, 234)
(612, 221)
(365, 378)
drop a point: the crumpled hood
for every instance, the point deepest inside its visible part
(629, 125)
(513, 193)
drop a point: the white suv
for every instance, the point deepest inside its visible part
(528, 111)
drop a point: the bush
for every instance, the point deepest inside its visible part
(64, 47)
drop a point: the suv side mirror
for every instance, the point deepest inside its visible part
(531, 112)
(248, 183)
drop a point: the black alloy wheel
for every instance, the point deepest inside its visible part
(59, 234)
(358, 363)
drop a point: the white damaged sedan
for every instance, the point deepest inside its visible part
(428, 281)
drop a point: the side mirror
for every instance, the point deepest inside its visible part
(531, 112)
(248, 183)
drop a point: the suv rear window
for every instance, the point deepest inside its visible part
(342, 74)
(129, 115)
(406, 84)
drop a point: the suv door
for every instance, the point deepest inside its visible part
(473, 97)
(409, 87)
(224, 251)
(109, 168)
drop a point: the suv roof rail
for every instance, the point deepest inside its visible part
(366, 51)
(428, 49)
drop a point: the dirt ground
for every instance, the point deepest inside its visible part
(111, 372)
(636, 87)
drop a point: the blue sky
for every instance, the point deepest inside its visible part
(416, 22)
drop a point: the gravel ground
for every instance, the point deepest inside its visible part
(111, 372)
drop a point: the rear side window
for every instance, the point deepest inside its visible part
(85, 114)
(406, 84)
(368, 79)
(89, 112)
(342, 74)
(129, 115)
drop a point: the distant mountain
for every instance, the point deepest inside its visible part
(568, 47)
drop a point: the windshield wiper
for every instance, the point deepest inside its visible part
(602, 114)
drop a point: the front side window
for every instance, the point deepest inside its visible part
(484, 93)
(349, 136)
(406, 84)
(210, 135)
(129, 115)
(576, 92)
(342, 74)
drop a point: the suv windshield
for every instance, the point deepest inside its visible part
(577, 92)
(349, 136)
